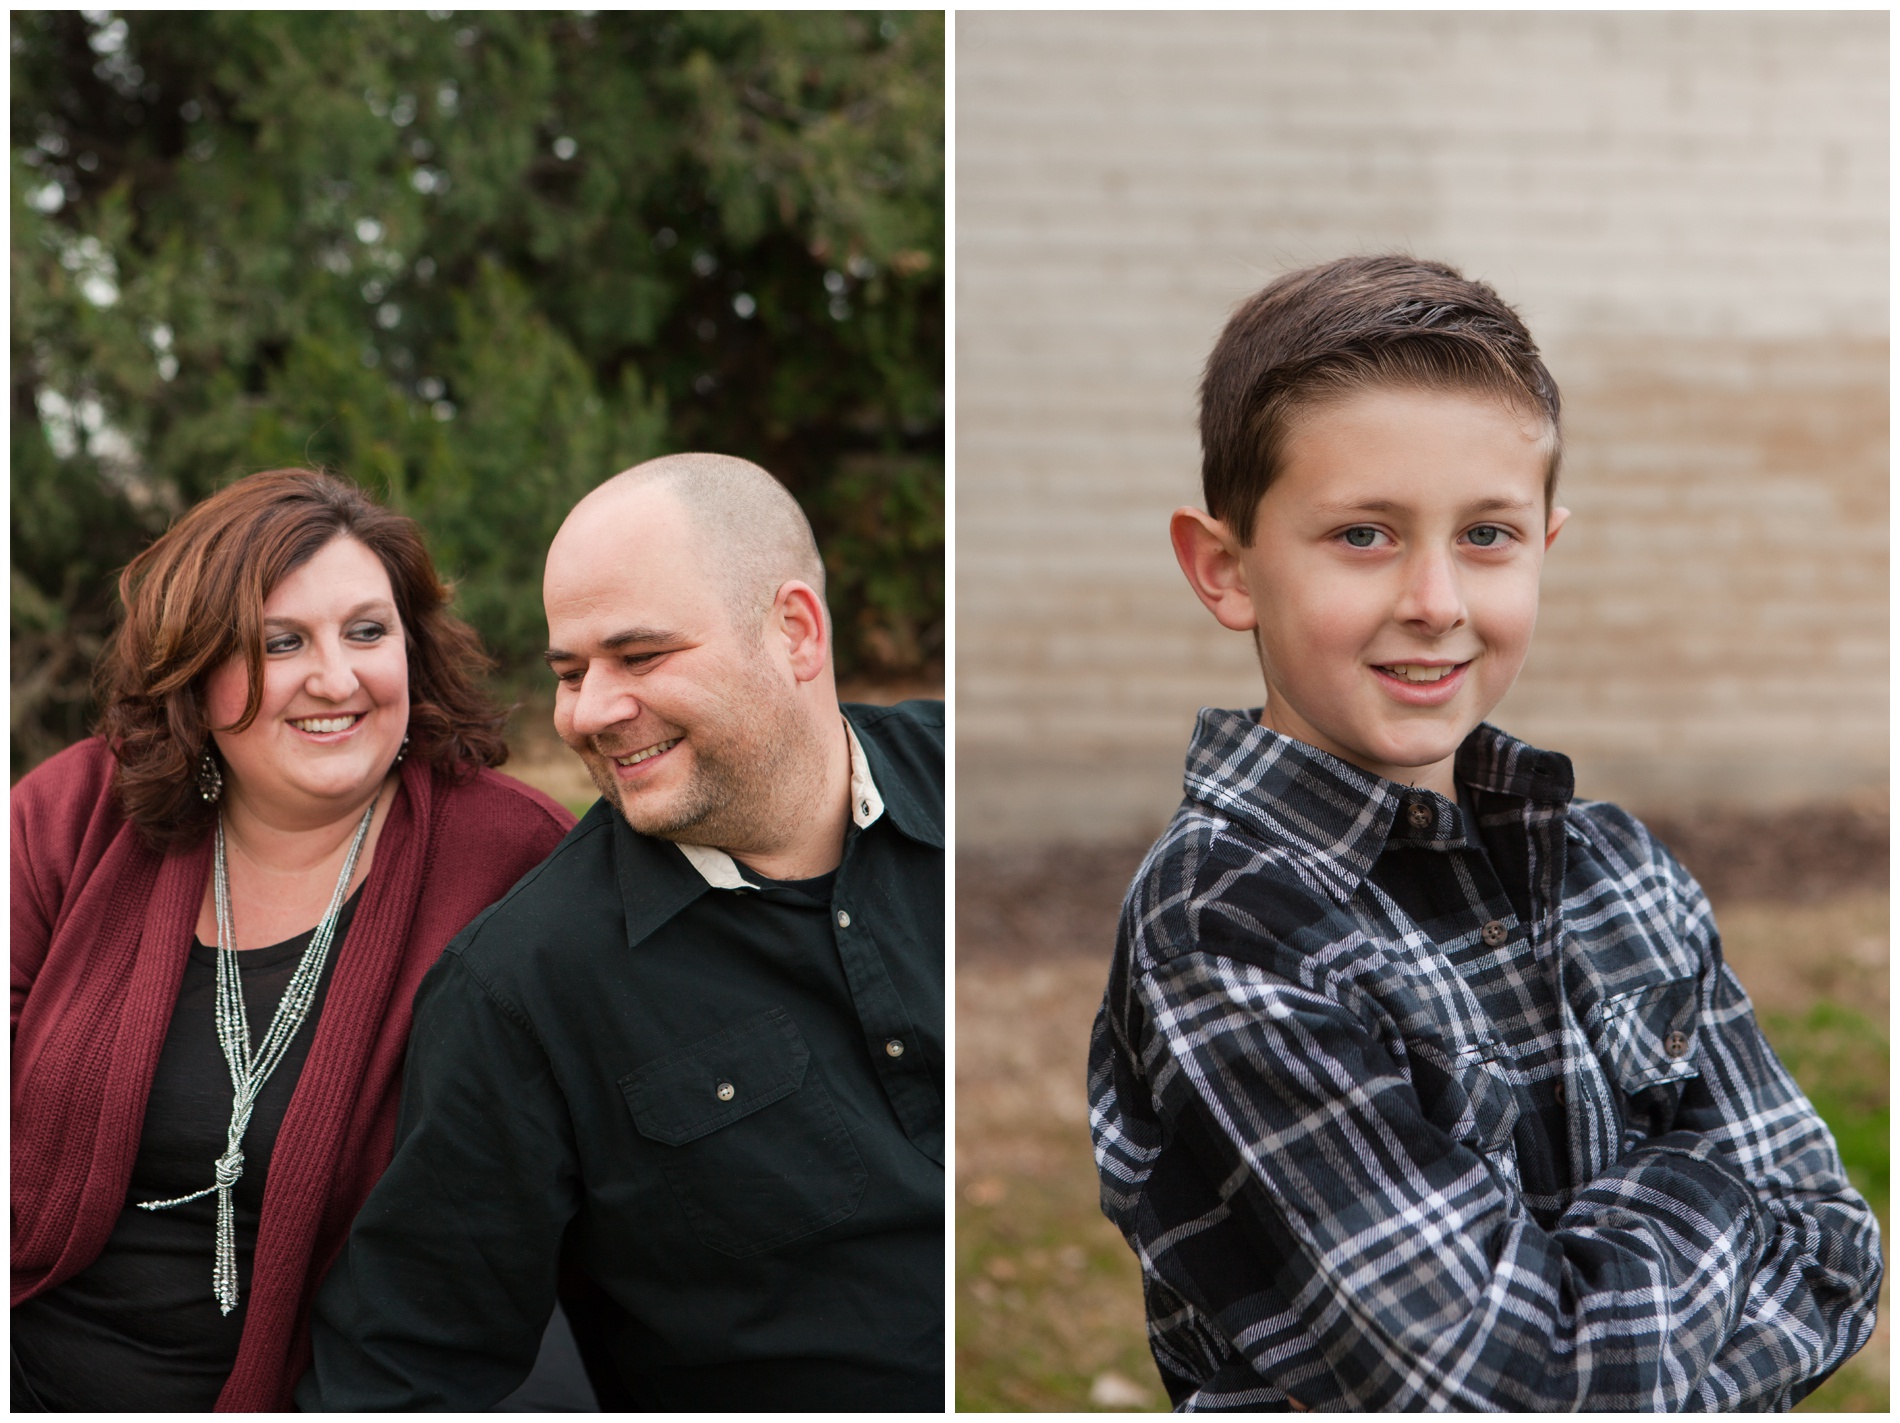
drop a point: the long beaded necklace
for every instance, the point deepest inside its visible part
(251, 1069)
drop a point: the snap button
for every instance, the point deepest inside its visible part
(894, 1048)
(1494, 933)
(844, 920)
(1676, 1044)
(725, 1092)
(1419, 814)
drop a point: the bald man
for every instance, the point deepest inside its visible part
(689, 1072)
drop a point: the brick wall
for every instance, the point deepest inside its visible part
(1689, 209)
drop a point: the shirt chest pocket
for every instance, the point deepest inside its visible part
(1647, 1042)
(750, 1141)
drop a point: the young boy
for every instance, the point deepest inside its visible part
(1418, 1083)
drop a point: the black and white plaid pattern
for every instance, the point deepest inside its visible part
(1402, 1113)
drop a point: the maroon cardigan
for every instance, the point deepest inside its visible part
(102, 928)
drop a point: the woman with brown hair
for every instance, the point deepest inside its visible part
(222, 905)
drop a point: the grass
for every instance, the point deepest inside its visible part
(1048, 1297)
(1049, 1313)
(1840, 1060)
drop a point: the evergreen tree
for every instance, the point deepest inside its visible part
(476, 262)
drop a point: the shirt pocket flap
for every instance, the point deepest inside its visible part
(1490, 1119)
(1463, 1089)
(718, 1079)
(1647, 1037)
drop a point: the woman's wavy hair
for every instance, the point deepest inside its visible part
(195, 599)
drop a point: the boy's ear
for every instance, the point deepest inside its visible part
(1209, 555)
(1553, 524)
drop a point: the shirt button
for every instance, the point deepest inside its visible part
(865, 806)
(1419, 814)
(844, 920)
(1560, 1093)
(725, 1092)
(1494, 933)
(1676, 1044)
(894, 1048)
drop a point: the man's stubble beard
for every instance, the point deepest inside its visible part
(753, 770)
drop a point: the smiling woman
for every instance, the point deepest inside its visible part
(200, 641)
(288, 812)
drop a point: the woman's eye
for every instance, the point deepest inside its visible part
(1487, 536)
(289, 642)
(368, 632)
(1361, 537)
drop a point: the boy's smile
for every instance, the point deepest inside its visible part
(1392, 581)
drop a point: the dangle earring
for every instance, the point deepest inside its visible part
(401, 751)
(210, 778)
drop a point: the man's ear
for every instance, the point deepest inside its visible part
(1209, 555)
(798, 615)
(1553, 524)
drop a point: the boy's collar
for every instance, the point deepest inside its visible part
(1337, 819)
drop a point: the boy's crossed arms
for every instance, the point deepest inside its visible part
(1307, 1117)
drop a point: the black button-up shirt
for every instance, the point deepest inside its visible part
(722, 1104)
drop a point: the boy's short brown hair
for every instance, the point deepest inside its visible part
(1360, 322)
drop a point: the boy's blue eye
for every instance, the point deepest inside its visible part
(1361, 538)
(1486, 535)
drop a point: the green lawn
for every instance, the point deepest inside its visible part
(1840, 1060)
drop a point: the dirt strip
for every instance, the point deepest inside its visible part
(1063, 899)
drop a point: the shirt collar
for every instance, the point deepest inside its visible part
(1337, 819)
(716, 867)
(866, 804)
(910, 780)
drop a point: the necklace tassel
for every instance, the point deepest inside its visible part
(250, 1070)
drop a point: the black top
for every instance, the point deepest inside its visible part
(817, 889)
(1489, 874)
(725, 1107)
(139, 1329)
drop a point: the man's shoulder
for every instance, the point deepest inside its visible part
(904, 743)
(914, 727)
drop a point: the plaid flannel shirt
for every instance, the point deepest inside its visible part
(1399, 1112)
